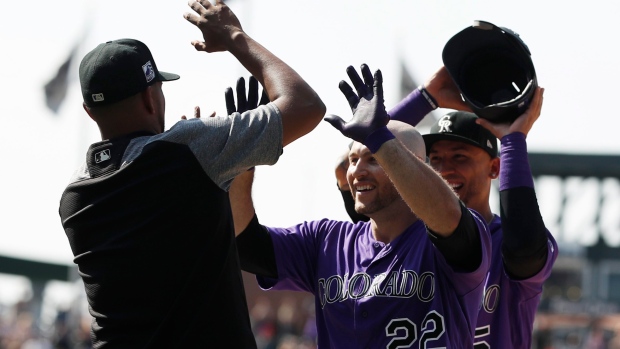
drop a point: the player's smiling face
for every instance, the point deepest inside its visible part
(467, 168)
(370, 186)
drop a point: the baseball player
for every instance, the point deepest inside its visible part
(148, 216)
(412, 276)
(463, 149)
(343, 187)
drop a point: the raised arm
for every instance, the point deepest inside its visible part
(424, 191)
(524, 246)
(240, 192)
(241, 204)
(300, 106)
(439, 91)
(254, 246)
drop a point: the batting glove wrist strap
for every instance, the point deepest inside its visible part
(375, 140)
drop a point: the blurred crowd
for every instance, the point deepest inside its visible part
(287, 324)
(21, 328)
(281, 321)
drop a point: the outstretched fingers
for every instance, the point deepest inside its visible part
(229, 97)
(242, 103)
(378, 85)
(206, 4)
(357, 82)
(252, 92)
(368, 78)
(198, 8)
(348, 93)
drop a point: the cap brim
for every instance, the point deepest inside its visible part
(163, 76)
(430, 139)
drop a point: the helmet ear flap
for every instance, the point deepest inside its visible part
(493, 69)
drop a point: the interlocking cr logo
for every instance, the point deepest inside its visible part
(444, 124)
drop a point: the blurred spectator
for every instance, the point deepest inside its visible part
(598, 337)
(287, 318)
(263, 323)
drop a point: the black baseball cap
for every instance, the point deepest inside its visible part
(116, 70)
(493, 70)
(461, 126)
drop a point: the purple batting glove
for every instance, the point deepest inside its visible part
(368, 125)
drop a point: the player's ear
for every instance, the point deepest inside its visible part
(148, 99)
(494, 169)
(88, 112)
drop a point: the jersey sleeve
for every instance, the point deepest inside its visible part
(226, 146)
(296, 251)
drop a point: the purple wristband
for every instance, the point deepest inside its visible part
(375, 140)
(515, 167)
(413, 108)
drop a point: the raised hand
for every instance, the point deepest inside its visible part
(369, 114)
(243, 103)
(441, 86)
(217, 23)
(197, 114)
(522, 124)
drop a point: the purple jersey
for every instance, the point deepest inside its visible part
(509, 306)
(374, 295)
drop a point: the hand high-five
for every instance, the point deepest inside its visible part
(217, 23)
(369, 115)
(243, 103)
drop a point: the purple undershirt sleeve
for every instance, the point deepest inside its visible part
(413, 108)
(515, 167)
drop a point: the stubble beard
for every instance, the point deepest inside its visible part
(384, 199)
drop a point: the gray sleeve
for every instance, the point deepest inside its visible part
(226, 146)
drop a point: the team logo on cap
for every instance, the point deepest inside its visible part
(149, 72)
(444, 124)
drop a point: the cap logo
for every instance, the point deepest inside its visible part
(103, 155)
(149, 72)
(489, 144)
(444, 124)
(97, 97)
